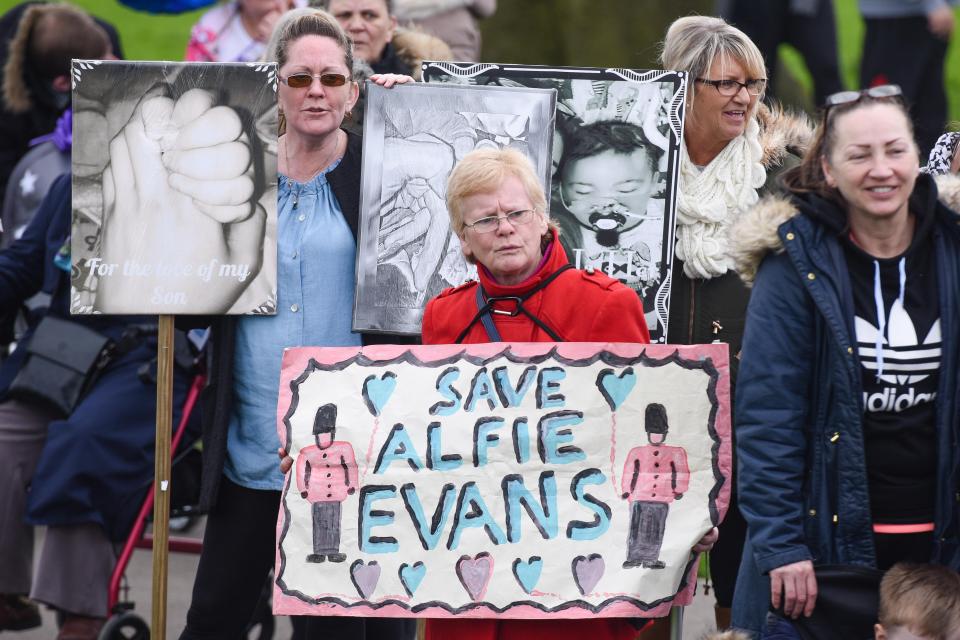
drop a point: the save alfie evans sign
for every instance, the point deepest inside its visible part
(499, 480)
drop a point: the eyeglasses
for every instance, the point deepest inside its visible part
(492, 223)
(301, 80)
(730, 88)
(848, 97)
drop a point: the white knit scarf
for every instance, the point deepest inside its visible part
(710, 200)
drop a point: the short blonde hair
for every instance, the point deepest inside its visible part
(483, 171)
(693, 43)
(923, 598)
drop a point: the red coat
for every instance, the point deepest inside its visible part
(579, 307)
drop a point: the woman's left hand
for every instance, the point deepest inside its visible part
(707, 541)
(387, 80)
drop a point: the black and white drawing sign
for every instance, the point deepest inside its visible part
(616, 153)
(413, 136)
(174, 188)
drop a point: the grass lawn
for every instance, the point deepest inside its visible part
(157, 37)
(144, 36)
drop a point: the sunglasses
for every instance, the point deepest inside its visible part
(849, 97)
(303, 80)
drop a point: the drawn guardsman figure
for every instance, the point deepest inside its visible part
(326, 475)
(653, 476)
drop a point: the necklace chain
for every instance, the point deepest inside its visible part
(323, 165)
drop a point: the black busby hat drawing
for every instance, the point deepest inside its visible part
(325, 420)
(656, 419)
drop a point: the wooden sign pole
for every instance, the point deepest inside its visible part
(161, 485)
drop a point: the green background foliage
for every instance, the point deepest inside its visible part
(607, 33)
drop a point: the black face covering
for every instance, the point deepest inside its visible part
(42, 92)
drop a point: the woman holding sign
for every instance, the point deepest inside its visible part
(847, 414)
(528, 292)
(319, 192)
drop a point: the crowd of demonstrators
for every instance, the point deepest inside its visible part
(843, 353)
(905, 43)
(453, 21)
(318, 215)
(808, 25)
(733, 152)
(846, 408)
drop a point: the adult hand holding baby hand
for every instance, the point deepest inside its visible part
(179, 194)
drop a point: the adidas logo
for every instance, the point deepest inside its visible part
(906, 359)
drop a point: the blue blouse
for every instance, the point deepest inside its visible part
(316, 255)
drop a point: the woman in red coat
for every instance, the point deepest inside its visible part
(527, 292)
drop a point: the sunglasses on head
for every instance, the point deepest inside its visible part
(848, 97)
(302, 80)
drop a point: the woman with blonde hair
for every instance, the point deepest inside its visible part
(733, 151)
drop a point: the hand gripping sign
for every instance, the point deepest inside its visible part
(499, 480)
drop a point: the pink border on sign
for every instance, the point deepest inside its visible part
(296, 360)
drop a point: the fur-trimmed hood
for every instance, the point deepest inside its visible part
(414, 46)
(405, 54)
(782, 133)
(755, 234)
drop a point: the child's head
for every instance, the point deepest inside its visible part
(607, 173)
(919, 602)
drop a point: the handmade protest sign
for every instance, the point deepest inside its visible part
(174, 188)
(499, 480)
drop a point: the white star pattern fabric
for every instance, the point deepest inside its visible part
(28, 183)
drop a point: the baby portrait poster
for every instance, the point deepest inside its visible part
(616, 151)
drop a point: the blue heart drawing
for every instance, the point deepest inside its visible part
(614, 388)
(377, 391)
(528, 573)
(411, 576)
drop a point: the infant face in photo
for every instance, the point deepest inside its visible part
(608, 191)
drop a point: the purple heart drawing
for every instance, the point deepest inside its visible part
(365, 576)
(475, 574)
(587, 572)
